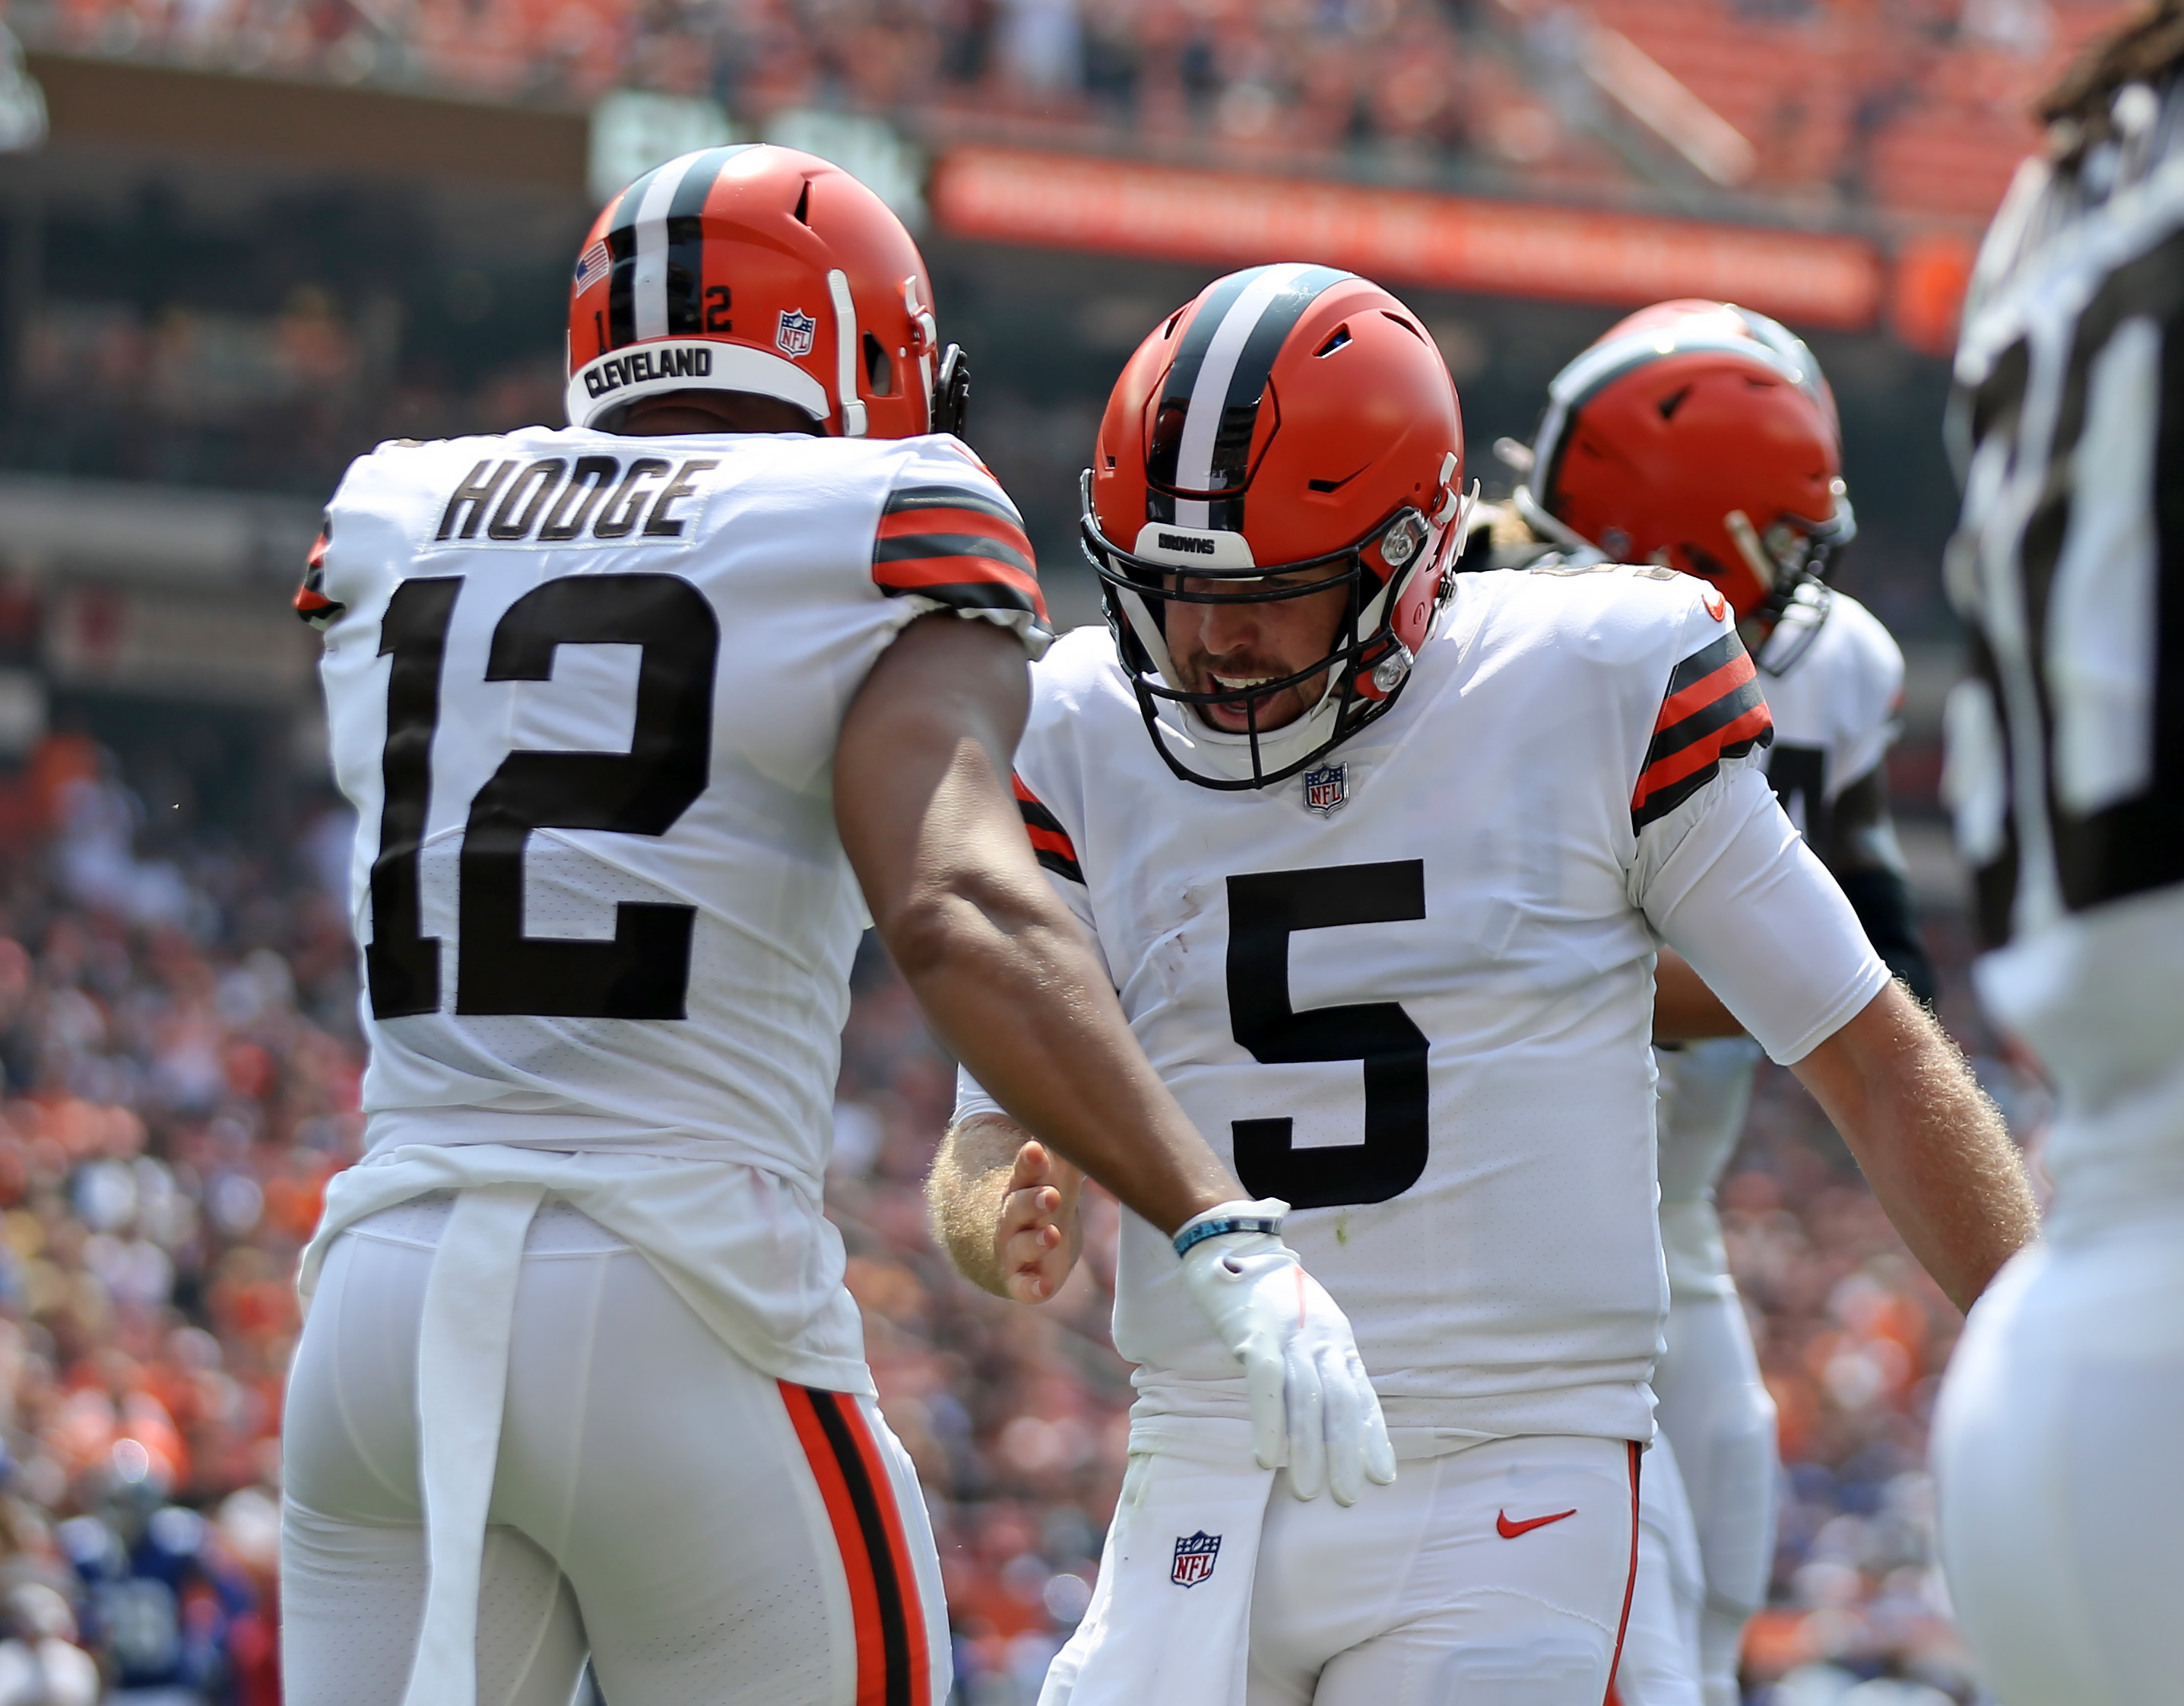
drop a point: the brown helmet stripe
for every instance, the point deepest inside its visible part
(686, 242)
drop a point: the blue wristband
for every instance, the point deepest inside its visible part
(1199, 1231)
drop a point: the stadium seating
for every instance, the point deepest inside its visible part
(1916, 110)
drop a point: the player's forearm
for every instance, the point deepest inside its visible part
(1931, 1143)
(1012, 988)
(965, 1190)
(999, 964)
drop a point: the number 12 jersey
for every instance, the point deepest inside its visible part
(584, 693)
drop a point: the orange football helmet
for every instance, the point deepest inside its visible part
(1702, 436)
(761, 269)
(1290, 418)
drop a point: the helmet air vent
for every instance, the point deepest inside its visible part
(1340, 336)
(879, 371)
(804, 204)
(1674, 401)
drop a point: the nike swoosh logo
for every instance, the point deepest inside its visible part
(1509, 1531)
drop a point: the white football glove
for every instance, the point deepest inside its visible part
(1300, 1363)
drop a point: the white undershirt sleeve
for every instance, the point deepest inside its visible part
(1729, 883)
(971, 1098)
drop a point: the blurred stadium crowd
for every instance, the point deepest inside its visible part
(1909, 107)
(178, 1061)
(181, 1079)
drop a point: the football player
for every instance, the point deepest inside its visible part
(2061, 1499)
(1379, 859)
(630, 712)
(1704, 437)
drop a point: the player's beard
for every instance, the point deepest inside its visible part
(1242, 714)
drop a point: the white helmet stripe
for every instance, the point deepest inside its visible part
(649, 298)
(1209, 395)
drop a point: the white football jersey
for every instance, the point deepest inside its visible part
(1834, 704)
(1409, 991)
(2065, 770)
(584, 693)
(1834, 699)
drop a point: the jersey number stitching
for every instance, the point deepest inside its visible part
(1264, 910)
(644, 972)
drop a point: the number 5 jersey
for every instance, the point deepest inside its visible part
(584, 693)
(1411, 991)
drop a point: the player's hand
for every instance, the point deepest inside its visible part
(1301, 1369)
(1036, 1239)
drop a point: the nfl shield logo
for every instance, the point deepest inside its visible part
(1324, 790)
(1193, 1558)
(793, 337)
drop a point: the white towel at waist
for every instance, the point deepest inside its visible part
(1171, 1618)
(462, 1389)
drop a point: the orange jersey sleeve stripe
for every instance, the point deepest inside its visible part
(1703, 692)
(959, 546)
(955, 518)
(1048, 839)
(1699, 759)
(952, 570)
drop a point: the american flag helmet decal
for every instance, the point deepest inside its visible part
(593, 265)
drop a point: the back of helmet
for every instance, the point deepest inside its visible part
(762, 271)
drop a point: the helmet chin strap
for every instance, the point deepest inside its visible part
(1750, 548)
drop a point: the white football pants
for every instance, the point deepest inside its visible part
(1445, 1589)
(2061, 1477)
(1716, 1412)
(708, 1534)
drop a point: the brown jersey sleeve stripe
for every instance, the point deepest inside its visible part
(903, 548)
(1048, 839)
(957, 547)
(1713, 710)
(1666, 784)
(311, 602)
(1717, 713)
(1711, 675)
(910, 499)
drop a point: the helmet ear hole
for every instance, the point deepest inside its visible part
(879, 371)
